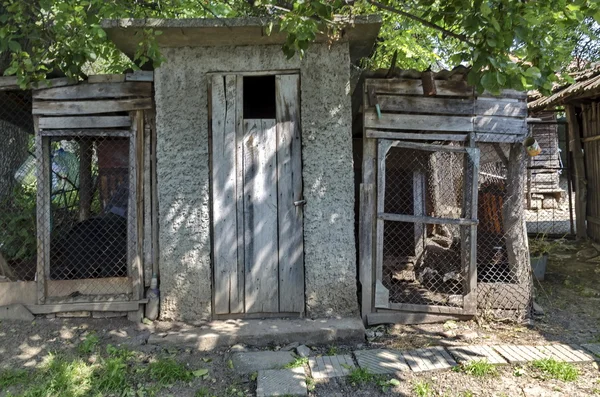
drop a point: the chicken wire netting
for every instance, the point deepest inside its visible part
(422, 261)
(18, 242)
(89, 178)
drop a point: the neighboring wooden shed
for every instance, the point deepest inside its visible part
(441, 230)
(581, 102)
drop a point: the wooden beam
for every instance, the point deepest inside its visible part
(365, 246)
(375, 134)
(432, 220)
(425, 105)
(106, 78)
(580, 179)
(500, 125)
(410, 318)
(437, 309)
(428, 147)
(117, 285)
(86, 133)
(8, 83)
(54, 108)
(96, 91)
(108, 306)
(591, 139)
(500, 107)
(140, 75)
(43, 222)
(415, 87)
(61, 123)
(418, 122)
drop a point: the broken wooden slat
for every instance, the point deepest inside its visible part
(224, 193)
(410, 122)
(8, 83)
(106, 78)
(50, 123)
(96, 91)
(260, 216)
(289, 190)
(436, 309)
(86, 132)
(390, 317)
(90, 107)
(415, 87)
(96, 306)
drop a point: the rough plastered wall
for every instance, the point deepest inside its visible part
(183, 174)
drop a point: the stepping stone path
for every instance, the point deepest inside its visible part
(523, 354)
(246, 363)
(428, 359)
(281, 382)
(331, 366)
(380, 361)
(593, 348)
(473, 353)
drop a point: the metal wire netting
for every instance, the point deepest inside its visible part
(18, 242)
(421, 261)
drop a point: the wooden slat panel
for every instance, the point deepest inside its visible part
(260, 216)
(410, 122)
(239, 307)
(90, 107)
(409, 307)
(500, 107)
(106, 78)
(430, 105)
(416, 136)
(501, 125)
(289, 182)
(96, 91)
(223, 94)
(432, 220)
(86, 132)
(140, 75)
(52, 123)
(415, 87)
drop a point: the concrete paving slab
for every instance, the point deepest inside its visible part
(473, 353)
(428, 359)
(281, 382)
(566, 353)
(249, 362)
(381, 361)
(263, 333)
(593, 348)
(331, 366)
(16, 312)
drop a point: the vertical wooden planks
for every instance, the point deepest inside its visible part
(419, 191)
(224, 194)
(289, 190)
(239, 305)
(580, 179)
(42, 151)
(260, 216)
(365, 241)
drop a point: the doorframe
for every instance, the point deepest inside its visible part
(208, 92)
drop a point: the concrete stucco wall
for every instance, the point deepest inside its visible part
(183, 174)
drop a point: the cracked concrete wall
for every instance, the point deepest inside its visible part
(183, 174)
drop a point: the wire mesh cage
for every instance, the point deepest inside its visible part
(422, 262)
(89, 199)
(18, 243)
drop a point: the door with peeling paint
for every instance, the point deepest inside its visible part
(257, 203)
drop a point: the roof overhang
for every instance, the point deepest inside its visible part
(361, 32)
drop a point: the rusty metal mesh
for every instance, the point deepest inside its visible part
(89, 179)
(422, 261)
(18, 242)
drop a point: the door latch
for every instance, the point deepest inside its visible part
(299, 203)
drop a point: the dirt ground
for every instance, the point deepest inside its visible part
(570, 297)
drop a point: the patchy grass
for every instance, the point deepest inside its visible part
(111, 376)
(89, 344)
(12, 377)
(360, 376)
(332, 351)
(557, 370)
(298, 362)
(423, 389)
(478, 368)
(166, 371)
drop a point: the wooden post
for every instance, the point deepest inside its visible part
(580, 180)
(42, 151)
(469, 233)
(85, 178)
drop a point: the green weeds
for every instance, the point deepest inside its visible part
(478, 368)
(89, 344)
(423, 389)
(557, 370)
(166, 371)
(11, 377)
(298, 362)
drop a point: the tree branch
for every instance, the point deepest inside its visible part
(422, 21)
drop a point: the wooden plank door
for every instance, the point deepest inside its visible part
(258, 254)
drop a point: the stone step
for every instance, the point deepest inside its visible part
(381, 361)
(281, 382)
(428, 359)
(250, 362)
(465, 354)
(331, 366)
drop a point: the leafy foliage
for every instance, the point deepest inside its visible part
(509, 43)
(18, 217)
